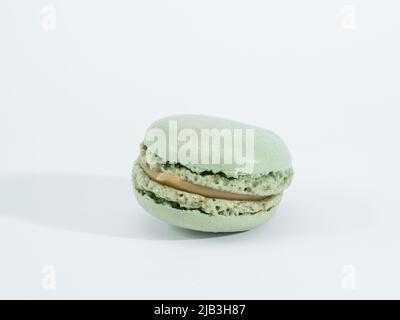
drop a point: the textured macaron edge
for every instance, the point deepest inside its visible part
(196, 220)
(185, 200)
(265, 185)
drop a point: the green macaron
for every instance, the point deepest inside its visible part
(211, 174)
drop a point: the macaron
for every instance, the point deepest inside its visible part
(211, 174)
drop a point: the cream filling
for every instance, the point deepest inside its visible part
(174, 181)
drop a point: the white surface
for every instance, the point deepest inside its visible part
(75, 101)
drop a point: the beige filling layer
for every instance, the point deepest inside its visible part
(177, 183)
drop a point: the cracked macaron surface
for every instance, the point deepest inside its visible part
(207, 213)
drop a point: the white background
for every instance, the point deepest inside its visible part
(81, 80)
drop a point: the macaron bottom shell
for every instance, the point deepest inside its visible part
(196, 220)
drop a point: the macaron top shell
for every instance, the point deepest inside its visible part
(265, 154)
